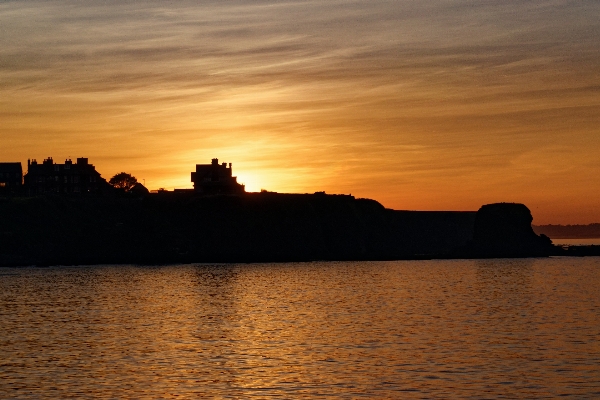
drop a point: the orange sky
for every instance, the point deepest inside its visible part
(425, 105)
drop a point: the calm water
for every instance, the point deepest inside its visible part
(407, 329)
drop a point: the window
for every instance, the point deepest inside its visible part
(76, 179)
(2, 184)
(56, 167)
(76, 189)
(56, 178)
(67, 166)
(65, 179)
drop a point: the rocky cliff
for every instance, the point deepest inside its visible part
(504, 230)
(261, 227)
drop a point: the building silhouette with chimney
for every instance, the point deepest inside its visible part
(68, 178)
(215, 178)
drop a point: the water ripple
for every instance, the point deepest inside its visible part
(409, 329)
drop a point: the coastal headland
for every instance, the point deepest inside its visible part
(177, 228)
(252, 227)
(68, 214)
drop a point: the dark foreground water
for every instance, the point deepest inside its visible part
(422, 329)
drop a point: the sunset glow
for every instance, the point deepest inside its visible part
(429, 105)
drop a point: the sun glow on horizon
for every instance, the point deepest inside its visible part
(418, 105)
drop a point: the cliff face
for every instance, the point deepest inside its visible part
(253, 227)
(430, 233)
(504, 230)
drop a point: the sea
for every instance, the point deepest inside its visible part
(498, 328)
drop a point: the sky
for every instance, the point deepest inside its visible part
(421, 105)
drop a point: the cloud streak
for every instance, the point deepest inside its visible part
(402, 101)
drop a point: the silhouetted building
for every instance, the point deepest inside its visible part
(67, 178)
(11, 177)
(139, 190)
(215, 178)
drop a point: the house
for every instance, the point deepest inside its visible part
(215, 178)
(139, 190)
(11, 177)
(68, 178)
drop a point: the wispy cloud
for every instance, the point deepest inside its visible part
(402, 100)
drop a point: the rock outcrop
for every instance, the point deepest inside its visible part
(504, 230)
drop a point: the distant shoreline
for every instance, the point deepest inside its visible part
(576, 241)
(590, 231)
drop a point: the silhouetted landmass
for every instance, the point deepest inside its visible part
(173, 228)
(504, 230)
(590, 231)
(254, 227)
(68, 214)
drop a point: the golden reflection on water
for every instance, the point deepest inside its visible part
(433, 329)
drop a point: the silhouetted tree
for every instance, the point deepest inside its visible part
(123, 180)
